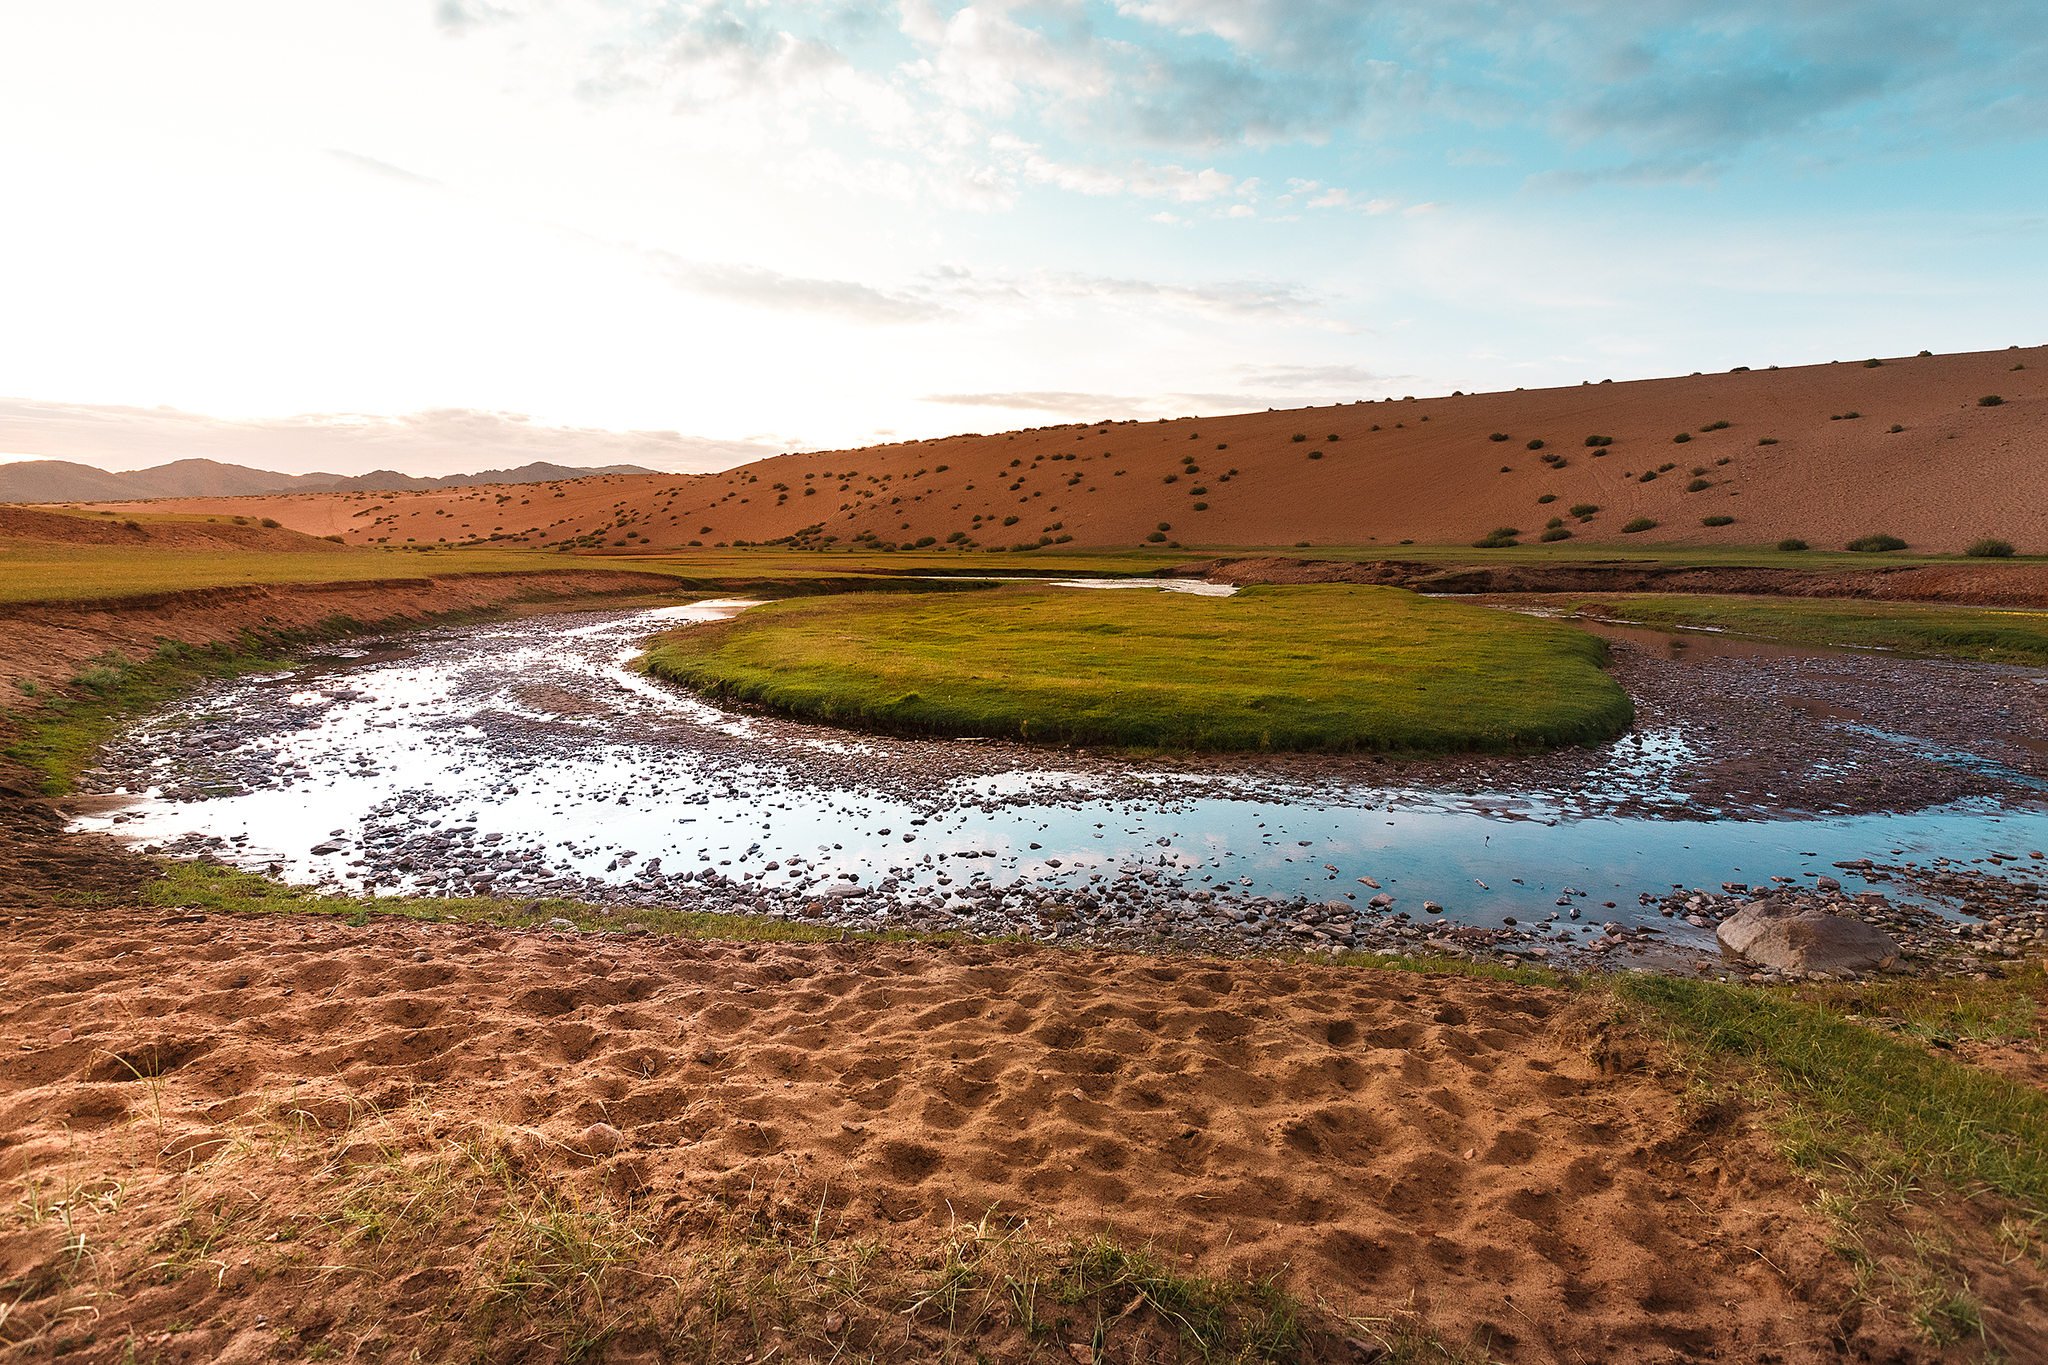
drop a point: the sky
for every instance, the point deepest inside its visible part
(343, 234)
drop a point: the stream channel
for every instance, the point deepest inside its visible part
(527, 759)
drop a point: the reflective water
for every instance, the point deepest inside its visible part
(538, 733)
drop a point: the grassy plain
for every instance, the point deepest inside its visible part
(1326, 668)
(1999, 636)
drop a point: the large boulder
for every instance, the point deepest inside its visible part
(1805, 938)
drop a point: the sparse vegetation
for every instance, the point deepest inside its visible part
(1875, 543)
(1499, 538)
(1961, 632)
(1639, 524)
(1989, 548)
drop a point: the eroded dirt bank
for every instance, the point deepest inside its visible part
(49, 642)
(2013, 586)
(262, 1090)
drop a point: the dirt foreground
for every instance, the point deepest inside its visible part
(244, 1138)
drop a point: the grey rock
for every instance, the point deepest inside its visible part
(1791, 938)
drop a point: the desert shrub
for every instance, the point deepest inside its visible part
(923, 541)
(1873, 543)
(1171, 478)
(1895, 428)
(1315, 454)
(1534, 445)
(244, 521)
(1988, 548)
(1666, 468)
(1584, 509)
(1300, 436)
(1791, 543)
(1843, 416)
(1009, 521)
(336, 539)
(1498, 436)
(1557, 533)
(1201, 507)
(1740, 369)
(1639, 524)
(1164, 526)
(1768, 441)
(1698, 470)
(1649, 476)
(1547, 497)
(132, 525)
(1155, 537)
(1725, 459)
(1507, 469)
(1989, 400)
(2019, 367)
(1719, 520)
(1872, 364)
(1333, 436)
(1697, 485)
(956, 537)
(1553, 523)
(1682, 437)
(1927, 353)
(1599, 440)
(1715, 426)
(1223, 445)
(1499, 538)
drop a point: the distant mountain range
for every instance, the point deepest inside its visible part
(63, 481)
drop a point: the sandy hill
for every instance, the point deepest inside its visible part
(1825, 452)
(34, 525)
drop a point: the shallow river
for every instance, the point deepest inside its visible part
(527, 759)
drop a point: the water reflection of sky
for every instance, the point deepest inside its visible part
(398, 726)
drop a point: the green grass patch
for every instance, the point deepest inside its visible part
(1272, 668)
(1971, 1128)
(2019, 637)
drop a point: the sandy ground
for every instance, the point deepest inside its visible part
(1483, 1152)
(1424, 470)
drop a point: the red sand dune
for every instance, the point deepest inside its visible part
(1423, 470)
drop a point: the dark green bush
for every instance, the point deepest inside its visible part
(1715, 426)
(1201, 507)
(1927, 353)
(1721, 520)
(1507, 469)
(1666, 468)
(1791, 543)
(1315, 454)
(1584, 509)
(1535, 445)
(1872, 364)
(1989, 400)
(271, 522)
(1332, 437)
(1639, 524)
(1649, 476)
(1498, 436)
(1557, 533)
(1499, 538)
(1599, 440)
(1988, 548)
(1164, 526)
(1768, 441)
(1697, 485)
(1875, 543)
(1547, 497)
(1301, 436)
(1682, 437)
(1009, 521)
(1895, 428)
(1155, 537)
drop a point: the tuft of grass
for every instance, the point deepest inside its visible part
(1988, 548)
(1273, 668)
(1874, 544)
(1970, 1127)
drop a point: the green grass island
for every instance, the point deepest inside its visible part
(1323, 668)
